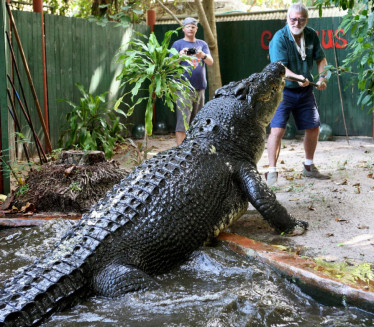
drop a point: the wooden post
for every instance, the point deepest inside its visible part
(4, 145)
(151, 19)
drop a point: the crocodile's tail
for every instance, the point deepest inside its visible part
(56, 282)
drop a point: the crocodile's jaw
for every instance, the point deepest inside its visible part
(269, 92)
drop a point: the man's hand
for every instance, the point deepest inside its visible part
(183, 52)
(200, 54)
(305, 83)
(321, 85)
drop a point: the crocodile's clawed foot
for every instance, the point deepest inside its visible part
(299, 229)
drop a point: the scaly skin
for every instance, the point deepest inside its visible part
(163, 211)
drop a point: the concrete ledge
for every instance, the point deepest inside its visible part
(312, 278)
(14, 220)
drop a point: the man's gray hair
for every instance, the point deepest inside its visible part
(298, 7)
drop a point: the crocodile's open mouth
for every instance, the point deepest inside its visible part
(276, 88)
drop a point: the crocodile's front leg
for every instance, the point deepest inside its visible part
(264, 200)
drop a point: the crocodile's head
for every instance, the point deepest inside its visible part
(263, 91)
(240, 111)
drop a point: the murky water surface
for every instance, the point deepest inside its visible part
(216, 288)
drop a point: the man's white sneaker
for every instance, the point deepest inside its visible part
(271, 178)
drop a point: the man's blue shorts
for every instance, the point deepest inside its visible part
(302, 104)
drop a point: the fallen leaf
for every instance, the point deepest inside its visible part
(358, 190)
(265, 166)
(69, 170)
(14, 209)
(362, 227)
(345, 182)
(298, 176)
(289, 178)
(336, 190)
(341, 220)
(311, 208)
(357, 184)
(371, 175)
(282, 162)
(294, 199)
(299, 249)
(330, 234)
(28, 207)
(292, 149)
(29, 213)
(281, 247)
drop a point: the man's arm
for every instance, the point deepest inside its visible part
(292, 74)
(322, 80)
(208, 60)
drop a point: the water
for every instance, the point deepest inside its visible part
(216, 288)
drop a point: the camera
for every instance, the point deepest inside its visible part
(191, 51)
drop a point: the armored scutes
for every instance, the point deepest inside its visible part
(164, 210)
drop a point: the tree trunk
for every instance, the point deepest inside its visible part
(96, 10)
(208, 21)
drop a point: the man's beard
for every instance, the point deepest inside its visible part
(297, 31)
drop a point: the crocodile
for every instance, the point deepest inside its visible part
(165, 209)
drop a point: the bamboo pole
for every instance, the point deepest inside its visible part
(46, 134)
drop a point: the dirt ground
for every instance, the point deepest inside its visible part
(340, 211)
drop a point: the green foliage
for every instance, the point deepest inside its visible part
(348, 272)
(16, 168)
(131, 13)
(136, 154)
(23, 189)
(75, 187)
(359, 22)
(149, 62)
(92, 124)
(57, 7)
(56, 153)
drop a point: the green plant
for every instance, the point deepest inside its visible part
(150, 62)
(92, 124)
(17, 168)
(124, 16)
(56, 153)
(75, 187)
(23, 189)
(136, 154)
(359, 21)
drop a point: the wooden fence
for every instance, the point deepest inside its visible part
(76, 51)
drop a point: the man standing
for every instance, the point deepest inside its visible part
(297, 46)
(199, 51)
